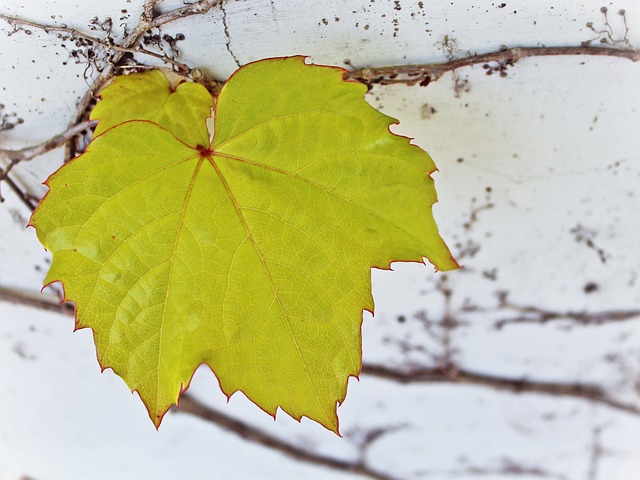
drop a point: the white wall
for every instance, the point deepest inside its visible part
(549, 160)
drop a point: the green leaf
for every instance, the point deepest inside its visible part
(251, 254)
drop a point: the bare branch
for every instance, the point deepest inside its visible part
(446, 374)
(28, 153)
(149, 10)
(424, 74)
(582, 391)
(190, 405)
(196, 8)
(36, 300)
(8, 120)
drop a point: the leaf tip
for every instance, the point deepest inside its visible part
(156, 413)
(157, 420)
(446, 264)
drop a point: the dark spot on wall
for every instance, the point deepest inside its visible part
(490, 274)
(427, 111)
(590, 287)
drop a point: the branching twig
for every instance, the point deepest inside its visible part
(605, 36)
(108, 45)
(13, 157)
(367, 436)
(403, 74)
(196, 8)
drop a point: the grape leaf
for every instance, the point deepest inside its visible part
(250, 254)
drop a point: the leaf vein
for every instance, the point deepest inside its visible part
(268, 274)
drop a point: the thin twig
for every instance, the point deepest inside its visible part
(597, 453)
(515, 385)
(22, 196)
(4, 173)
(507, 468)
(424, 74)
(448, 324)
(190, 405)
(31, 299)
(537, 315)
(95, 40)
